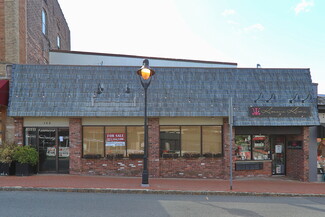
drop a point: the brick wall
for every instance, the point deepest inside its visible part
(153, 156)
(117, 167)
(297, 165)
(226, 148)
(265, 172)
(9, 129)
(22, 40)
(192, 168)
(22, 31)
(297, 160)
(18, 128)
(75, 136)
(38, 44)
(2, 32)
(11, 31)
(181, 167)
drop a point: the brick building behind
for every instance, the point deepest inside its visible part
(22, 40)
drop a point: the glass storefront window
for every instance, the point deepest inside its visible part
(197, 140)
(30, 136)
(170, 140)
(115, 140)
(261, 148)
(135, 139)
(93, 141)
(211, 140)
(191, 139)
(252, 147)
(243, 147)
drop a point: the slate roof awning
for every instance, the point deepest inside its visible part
(69, 91)
(4, 92)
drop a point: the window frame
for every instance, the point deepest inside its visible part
(58, 41)
(44, 22)
(104, 137)
(201, 138)
(252, 147)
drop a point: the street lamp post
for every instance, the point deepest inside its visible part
(145, 73)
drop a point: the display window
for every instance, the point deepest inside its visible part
(115, 140)
(112, 141)
(93, 141)
(252, 147)
(211, 139)
(261, 148)
(190, 141)
(170, 140)
(243, 147)
(135, 138)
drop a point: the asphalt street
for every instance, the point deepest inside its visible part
(61, 204)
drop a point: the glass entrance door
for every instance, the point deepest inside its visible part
(47, 150)
(53, 147)
(63, 158)
(278, 155)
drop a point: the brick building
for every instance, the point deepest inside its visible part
(28, 30)
(80, 130)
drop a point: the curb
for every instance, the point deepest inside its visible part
(150, 191)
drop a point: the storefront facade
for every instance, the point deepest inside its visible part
(73, 127)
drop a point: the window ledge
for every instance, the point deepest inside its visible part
(252, 161)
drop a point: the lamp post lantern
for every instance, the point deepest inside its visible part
(145, 74)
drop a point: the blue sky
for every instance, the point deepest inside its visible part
(272, 33)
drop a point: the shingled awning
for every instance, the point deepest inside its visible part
(69, 91)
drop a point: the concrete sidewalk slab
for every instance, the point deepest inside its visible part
(274, 186)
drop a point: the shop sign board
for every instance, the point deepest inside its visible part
(280, 112)
(115, 139)
(295, 144)
(51, 151)
(278, 149)
(63, 151)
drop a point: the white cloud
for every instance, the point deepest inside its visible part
(304, 6)
(232, 22)
(228, 12)
(257, 26)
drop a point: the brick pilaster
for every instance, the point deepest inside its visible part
(297, 160)
(305, 172)
(75, 136)
(153, 151)
(226, 149)
(18, 125)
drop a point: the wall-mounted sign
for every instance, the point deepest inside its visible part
(115, 139)
(278, 149)
(280, 112)
(295, 144)
(259, 138)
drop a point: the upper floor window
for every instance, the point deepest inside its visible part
(58, 41)
(44, 22)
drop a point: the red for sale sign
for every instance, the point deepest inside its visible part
(115, 139)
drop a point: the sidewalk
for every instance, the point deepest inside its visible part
(274, 186)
